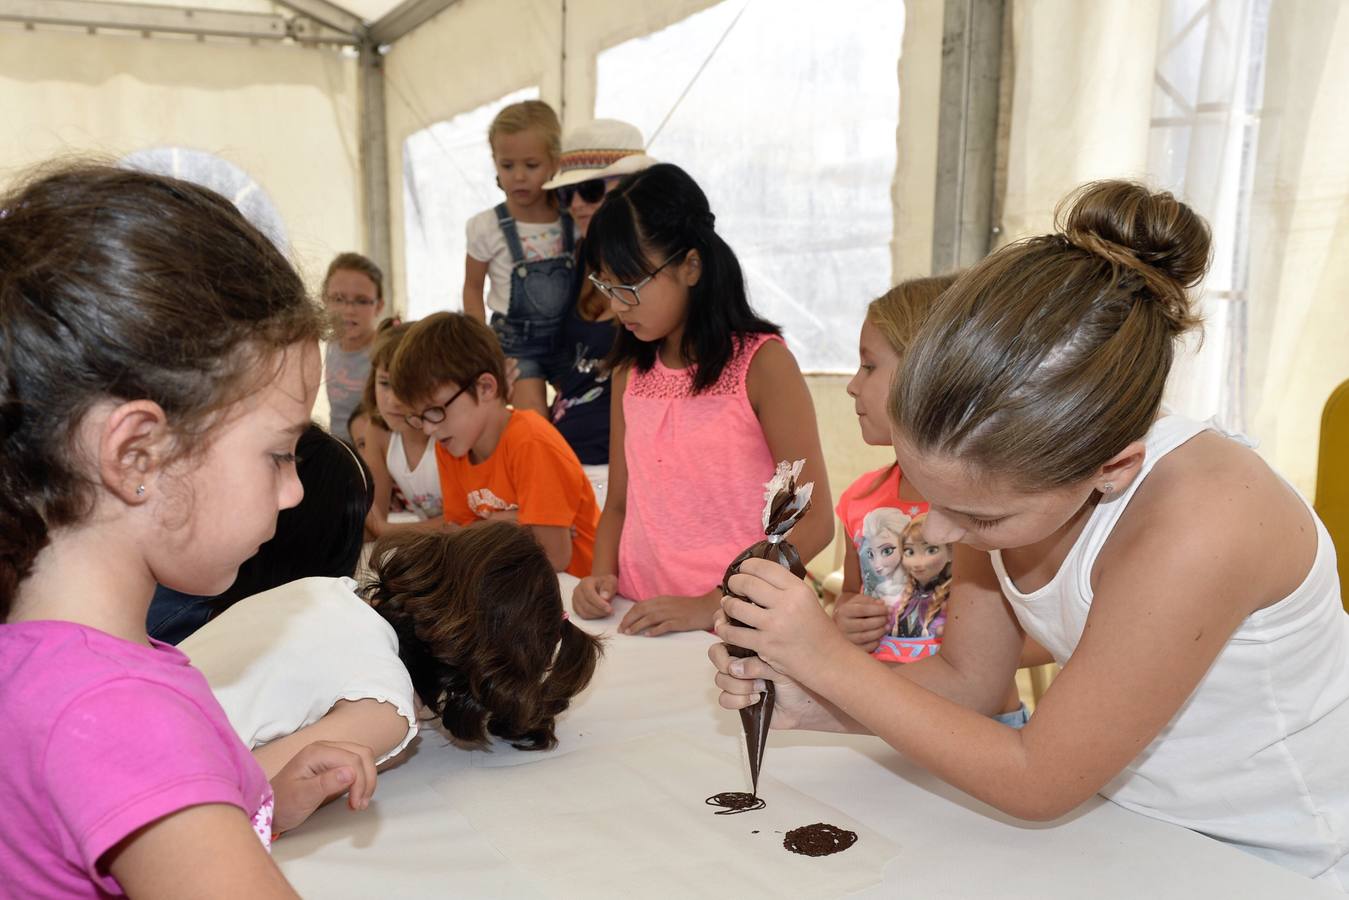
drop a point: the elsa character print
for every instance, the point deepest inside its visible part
(880, 552)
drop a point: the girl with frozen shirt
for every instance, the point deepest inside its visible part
(1028, 414)
(399, 456)
(707, 399)
(879, 508)
(150, 436)
(525, 246)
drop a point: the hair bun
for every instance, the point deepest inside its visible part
(1150, 232)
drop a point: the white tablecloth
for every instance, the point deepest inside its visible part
(414, 842)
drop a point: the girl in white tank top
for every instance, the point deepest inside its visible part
(1189, 593)
(419, 485)
(1256, 756)
(379, 431)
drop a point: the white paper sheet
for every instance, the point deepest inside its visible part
(611, 821)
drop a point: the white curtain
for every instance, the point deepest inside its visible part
(1299, 263)
(1239, 107)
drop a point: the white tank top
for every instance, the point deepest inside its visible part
(420, 486)
(1258, 756)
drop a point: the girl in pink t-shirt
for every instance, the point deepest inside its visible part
(158, 362)
(707, 399)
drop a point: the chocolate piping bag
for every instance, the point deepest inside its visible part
(784, 505)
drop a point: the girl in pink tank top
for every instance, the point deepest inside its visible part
(707, 398)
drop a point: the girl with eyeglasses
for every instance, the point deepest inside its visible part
(353, 293)
(707, 399)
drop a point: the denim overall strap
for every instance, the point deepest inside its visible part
(507, 223)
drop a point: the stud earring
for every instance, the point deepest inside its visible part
(140, 490)
(1108, 487)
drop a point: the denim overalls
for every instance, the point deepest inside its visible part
(541, 294)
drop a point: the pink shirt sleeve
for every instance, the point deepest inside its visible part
(129, 753)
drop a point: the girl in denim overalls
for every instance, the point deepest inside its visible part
(525, 246)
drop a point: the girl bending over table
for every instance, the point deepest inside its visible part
(1188, 591)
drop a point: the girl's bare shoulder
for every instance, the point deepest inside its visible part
(1221, 502)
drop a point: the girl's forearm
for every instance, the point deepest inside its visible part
(962, 747)
(607, 535)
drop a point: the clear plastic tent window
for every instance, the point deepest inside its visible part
(786, 117)
(790, 128)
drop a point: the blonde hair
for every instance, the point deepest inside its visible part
(1049, 357)
(900, 312)
(528, 115)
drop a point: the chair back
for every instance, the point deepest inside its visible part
(1332, 479)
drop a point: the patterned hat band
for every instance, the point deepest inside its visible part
(592, 159)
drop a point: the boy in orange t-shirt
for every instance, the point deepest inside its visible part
(494, 462)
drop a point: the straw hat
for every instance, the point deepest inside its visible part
(600, 149)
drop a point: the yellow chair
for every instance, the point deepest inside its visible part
(1332, 479)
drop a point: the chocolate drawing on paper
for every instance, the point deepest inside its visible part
(732, 802)
(819, 839)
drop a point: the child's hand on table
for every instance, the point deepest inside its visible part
(862, 619)
(594, 595)
(319, 772)
(661, 615)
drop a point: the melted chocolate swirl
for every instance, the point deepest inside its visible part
(819, 839)
(733, 802)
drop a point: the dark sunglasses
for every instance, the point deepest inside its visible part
(591, 191)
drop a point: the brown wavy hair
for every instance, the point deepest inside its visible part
(481, 630)
(1050, 356)
(118, 284)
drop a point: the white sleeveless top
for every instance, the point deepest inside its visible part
(1258, 756)
(420, 486)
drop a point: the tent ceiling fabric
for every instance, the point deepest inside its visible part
(369, 11)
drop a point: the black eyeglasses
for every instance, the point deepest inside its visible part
(436, 414)
(627, 293)
(353, 302)
(591, 191)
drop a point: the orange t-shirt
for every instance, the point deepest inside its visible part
(532, 470)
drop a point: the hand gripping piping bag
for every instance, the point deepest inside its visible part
(784, 505)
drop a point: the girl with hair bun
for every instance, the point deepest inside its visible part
(1188, 591)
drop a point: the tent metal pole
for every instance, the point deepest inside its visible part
(967, 129)
(329, 14)
(170, 20)
(375, 158)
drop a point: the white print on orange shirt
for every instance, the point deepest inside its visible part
(483, 503)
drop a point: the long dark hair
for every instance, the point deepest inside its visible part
(118, 284)
(481, 630)
(661, 212)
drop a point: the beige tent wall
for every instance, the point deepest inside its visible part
(462, 59)
(286, 115)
